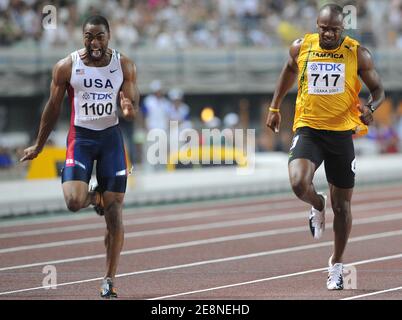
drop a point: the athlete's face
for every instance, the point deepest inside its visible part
(96, 39)
(330, 29)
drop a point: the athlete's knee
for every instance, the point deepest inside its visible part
(341, 209)
(113, 213)
(114, 208)
(299, 185)
(114, 227)
(74, 204)
(75, 195)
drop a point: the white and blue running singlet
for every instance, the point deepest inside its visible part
(94, 133)
(93, 92)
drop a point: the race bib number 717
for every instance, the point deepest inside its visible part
(325, 78)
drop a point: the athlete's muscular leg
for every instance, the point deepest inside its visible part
(301, 174)
(114, 236)
(341, 205)
(76, 195)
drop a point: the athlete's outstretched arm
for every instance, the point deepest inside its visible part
(129, 93)
(373, 82)
(60, 78)
(287, 78)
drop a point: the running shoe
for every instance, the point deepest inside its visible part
(317, 219)
(107, 290)
(98, 207)
(335, 276)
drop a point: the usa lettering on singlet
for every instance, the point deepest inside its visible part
(93, 93)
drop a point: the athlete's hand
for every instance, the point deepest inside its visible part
(126, 106)
(274, 121)
(30, 153)
(366, 115)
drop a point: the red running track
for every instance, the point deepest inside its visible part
(247, 248)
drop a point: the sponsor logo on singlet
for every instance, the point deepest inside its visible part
(95, 105)
(325, 78)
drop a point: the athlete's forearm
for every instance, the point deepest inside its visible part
(48, 121)
(377, 96)
(286, 81)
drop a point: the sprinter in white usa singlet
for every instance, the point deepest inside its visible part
(94, 92)
(97, 80)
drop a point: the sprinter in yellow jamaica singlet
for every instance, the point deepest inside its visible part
(328, 67)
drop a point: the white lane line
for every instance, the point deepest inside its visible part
(214, 225)
(198, 227)
(390, 217)
(132, 211)
(397, 256)
(233, 258)
(169, 246)
(291, 204)
(372, 293)
(365, 193)
(194, 215)
(156, 219)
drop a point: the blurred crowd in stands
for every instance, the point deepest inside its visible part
(180, 24)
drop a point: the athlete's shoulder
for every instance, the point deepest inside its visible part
(126, 60)
(363, 50)
(364, 58)
(297, 42)
(295, 47)
(128, 66)
(62, 69)
(64, 63)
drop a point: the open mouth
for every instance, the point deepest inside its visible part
(96, 53)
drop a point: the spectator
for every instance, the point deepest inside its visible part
(5, 158)
(156, 108)
(156, 113)
(179, 116)
(179, 111)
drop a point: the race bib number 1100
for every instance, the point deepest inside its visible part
(326, 78)
(95, 105)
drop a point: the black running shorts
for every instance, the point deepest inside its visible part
(335, 148)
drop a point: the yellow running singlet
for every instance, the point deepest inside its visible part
(328, 87)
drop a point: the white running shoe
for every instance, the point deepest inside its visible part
(335, 276)
(107, 289)
(317, 219)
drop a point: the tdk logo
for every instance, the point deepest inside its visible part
(326, 67)
(97, 83)
(97, 96)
